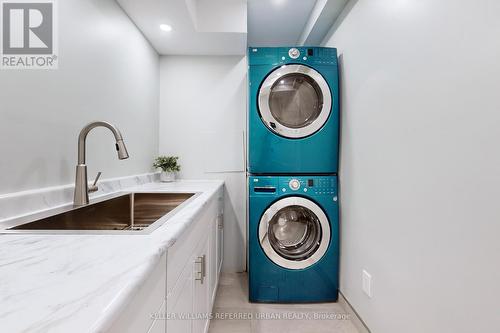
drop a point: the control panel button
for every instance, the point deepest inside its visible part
(294, 53)
(294, 184)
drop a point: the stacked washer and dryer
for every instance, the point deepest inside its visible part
(293, 140)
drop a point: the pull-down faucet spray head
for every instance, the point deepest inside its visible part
(121, 149)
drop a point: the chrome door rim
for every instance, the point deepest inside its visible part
(265, 110)
(267, 247)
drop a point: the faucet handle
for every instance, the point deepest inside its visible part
(94, 187)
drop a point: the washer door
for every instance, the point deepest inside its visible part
(294, 232)
(295, 101)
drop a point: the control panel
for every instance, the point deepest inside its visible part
(285, 55)
(280, 185)
(317, 185)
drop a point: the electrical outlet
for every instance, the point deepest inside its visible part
(367, 283)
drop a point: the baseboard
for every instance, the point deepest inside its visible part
(355, 319)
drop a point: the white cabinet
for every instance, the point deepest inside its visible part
(220, 241)
(220, 232)
(213, 274)
(216, 250)
(201, 300)
(193, 267)
(180, 304)
(181, 289)
(188, 303)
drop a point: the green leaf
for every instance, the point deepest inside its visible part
(167, 163)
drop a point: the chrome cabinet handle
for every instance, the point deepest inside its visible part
(94, 187)
(201, 274)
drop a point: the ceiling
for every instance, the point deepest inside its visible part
(291, 22)
(277, 22)
(226, 27)
(199, 27)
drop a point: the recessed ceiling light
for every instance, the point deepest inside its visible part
(165, 27)
(279, 2)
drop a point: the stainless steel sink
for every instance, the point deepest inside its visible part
(127, 213)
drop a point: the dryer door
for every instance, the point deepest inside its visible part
(295, 101)
(294, 232)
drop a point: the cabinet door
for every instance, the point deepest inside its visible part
(201, 287)
(220, 242)
(213, 265)
(159, 325)
(180, 304)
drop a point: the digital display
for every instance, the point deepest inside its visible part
(265, 189)
(310, 182)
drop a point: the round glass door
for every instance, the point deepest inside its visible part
(295, 101)
(294, 233)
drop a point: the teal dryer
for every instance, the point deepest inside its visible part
(293, 115)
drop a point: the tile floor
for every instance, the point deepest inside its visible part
(234, 314)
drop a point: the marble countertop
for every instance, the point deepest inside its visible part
(81, 283)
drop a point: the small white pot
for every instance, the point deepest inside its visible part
(167, 177)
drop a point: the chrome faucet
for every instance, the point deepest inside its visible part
(82, 188)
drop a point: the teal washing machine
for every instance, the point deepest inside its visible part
(293, 239)
(293, 115)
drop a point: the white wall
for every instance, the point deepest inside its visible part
(202, 120)
(107, 71)
(421, 163)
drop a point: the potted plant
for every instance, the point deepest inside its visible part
(168, 166)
